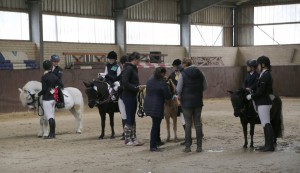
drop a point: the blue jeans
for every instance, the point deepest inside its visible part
(189, 115)
(155, 130)
(130, 103)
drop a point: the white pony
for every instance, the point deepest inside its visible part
(73, 102)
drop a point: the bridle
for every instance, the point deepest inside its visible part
(33, 103)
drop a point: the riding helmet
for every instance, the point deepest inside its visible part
(176, 62)
(55, 58)
(252, 63)
(47, 65)
(112, 55)
(264, 60)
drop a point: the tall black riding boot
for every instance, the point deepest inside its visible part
(52, 128)
(183, 143)
(61, 103)
(269, 138)
(123, 125)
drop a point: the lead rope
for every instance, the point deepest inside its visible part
(141, 112)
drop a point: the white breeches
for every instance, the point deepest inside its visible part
(264, 114)
(182, 119)
(49, 108)
(122, 109)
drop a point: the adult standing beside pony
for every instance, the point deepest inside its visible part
(263, 97)
(131, 86)
(156, 93)
(49, 82)
(190, 87)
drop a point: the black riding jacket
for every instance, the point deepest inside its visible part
(58, 72)
(49, 81)
(263, 89)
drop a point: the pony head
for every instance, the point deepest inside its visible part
(96, 91)
(238, 100)
(29, 92)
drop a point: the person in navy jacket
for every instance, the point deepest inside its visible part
(252, 75)
(262, 96)
(156, 93)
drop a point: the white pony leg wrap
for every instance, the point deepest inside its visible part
(122, 109)
(49, 108)
(182, 119)
(264, 114)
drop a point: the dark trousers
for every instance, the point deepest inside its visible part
(130, 103)
(155, 130)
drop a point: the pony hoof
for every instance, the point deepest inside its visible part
(101, 137)
(245, 146)
(78, 132)
(168, 140)
(251, 146)
(112, 137)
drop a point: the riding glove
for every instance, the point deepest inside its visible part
(248, 97)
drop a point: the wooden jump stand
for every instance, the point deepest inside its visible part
(84, 60)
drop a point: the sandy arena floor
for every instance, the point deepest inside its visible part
(22, 151)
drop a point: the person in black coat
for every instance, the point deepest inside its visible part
(156, 93)
(252, 75)
(262, 96)
(190, 87)
(57, 70)
(49, 83)
(131, 86)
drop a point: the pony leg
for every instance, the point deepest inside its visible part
(175, 127)
(103, 117)
(78, 117)
(244, 124)
(168, 128)
(111, 119)
(252, 127)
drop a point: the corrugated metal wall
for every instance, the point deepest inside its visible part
(155, 11)
(100, 8)
(13, 4)
(220, 16)
(272, 2)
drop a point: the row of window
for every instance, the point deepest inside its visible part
(285, 30)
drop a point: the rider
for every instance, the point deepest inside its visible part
(252, 75)
(57, 70)
(263, 100)
(174, 76)
(49, 82)
(112, 70)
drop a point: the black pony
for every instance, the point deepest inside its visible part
(99, 95)
(245, 110)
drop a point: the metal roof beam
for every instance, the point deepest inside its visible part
(124, 4)
(191, 6)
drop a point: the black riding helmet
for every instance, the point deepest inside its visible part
(123, 59)
(47, 65)
(252, 63)
(176, 62)
(112, 55)
(264, 60)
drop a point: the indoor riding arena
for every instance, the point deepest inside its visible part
(219, 36)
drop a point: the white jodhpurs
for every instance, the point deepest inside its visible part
(122, 109)
(264, 114)
(49, 108)
(182, 119)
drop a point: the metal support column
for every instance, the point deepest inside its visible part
(36, 27)
(120, 30)
(185, 33)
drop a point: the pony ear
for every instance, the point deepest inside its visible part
(20, 90)
(85, 84)
(230, 92)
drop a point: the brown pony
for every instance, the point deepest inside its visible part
(170, 111)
